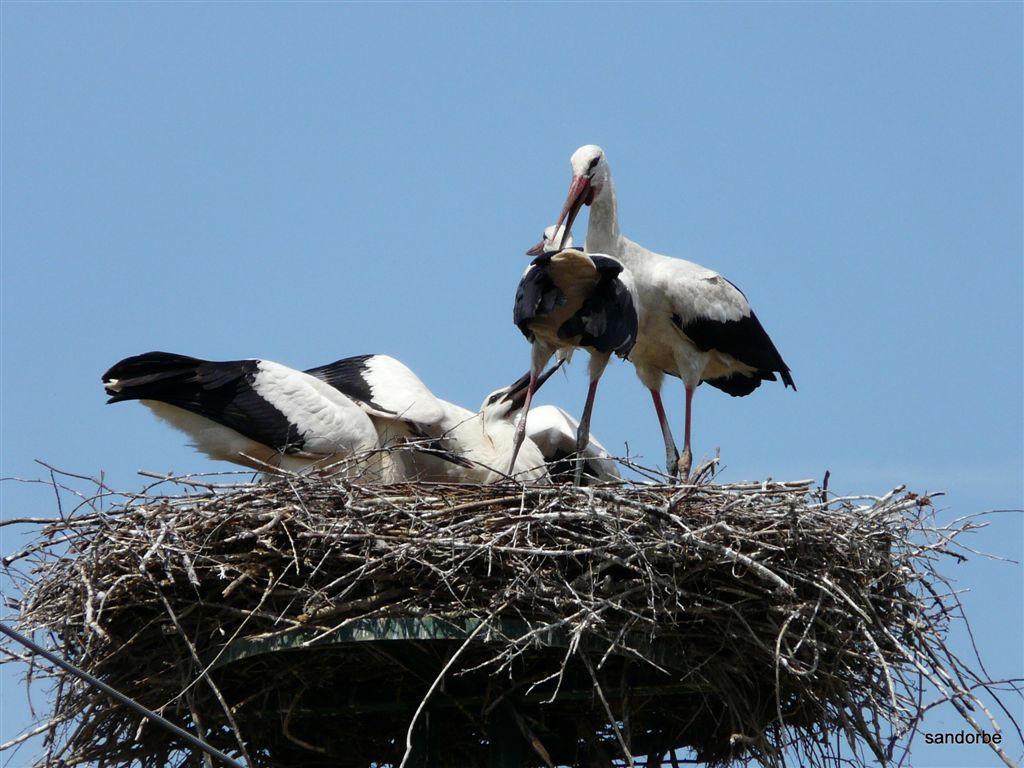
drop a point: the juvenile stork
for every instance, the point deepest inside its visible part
(492, 433)
(568, 299)
(256, 413)
(407, 416)
(694, 324)
(451, 444)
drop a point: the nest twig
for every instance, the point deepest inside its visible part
(301, 622)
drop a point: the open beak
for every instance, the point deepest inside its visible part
(517, 392)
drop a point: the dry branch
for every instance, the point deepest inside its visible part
(301, 622)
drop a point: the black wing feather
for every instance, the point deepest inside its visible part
(607, 321)
(747, 341)
(349, 377)
(219, 391)
(537, 294)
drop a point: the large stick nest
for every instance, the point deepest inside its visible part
(300, 622)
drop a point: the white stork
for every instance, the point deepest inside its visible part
(555, 432)
(555, 238)
(492, 434)
(694, 323)
(568, 299)
(407, 416)
(256, 413)
(451, 443)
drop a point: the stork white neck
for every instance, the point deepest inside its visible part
(603, 219)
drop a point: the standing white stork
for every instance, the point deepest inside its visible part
(450, 443)
(555, 432)
(256, 413)
(568, 299)
(694, 323)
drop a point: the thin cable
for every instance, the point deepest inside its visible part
(117, 695)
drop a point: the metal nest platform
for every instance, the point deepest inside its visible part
(301, 622)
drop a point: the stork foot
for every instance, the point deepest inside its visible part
(683, 465)
(672, 464)
(517, 442)
(577, 476)
(583, 438)
(705, 472)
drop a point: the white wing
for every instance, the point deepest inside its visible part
(554, 432)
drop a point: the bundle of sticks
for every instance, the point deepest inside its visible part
(310, 622)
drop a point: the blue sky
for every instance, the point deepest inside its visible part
(308, 181)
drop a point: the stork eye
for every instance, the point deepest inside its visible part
(593, 163)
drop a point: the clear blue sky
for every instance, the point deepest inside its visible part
(307, 181)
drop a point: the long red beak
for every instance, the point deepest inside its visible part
(537, 250)
(578, 195)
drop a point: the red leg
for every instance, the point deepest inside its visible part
(520, 433)
(671, 454)
(583, 432)
(686, 460)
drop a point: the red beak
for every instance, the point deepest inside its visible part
(579, 194)
(537, 250)
(579, 191)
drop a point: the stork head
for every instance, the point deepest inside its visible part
(589, 176)
(506, 402)
(555, 238)
(501, 405)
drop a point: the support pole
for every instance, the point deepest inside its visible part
(507, 745)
